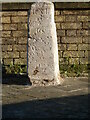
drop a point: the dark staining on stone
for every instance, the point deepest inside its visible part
(47, 36)
(46, 80)
(50, 48)
(35, 71)
(43, 31)
(39, 65)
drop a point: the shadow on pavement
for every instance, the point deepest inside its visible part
(14, 79)
(65, 107)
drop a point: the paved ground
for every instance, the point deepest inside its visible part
(67, 101)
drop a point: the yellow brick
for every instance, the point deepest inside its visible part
(20, 47)
(57, 12)
(84, 47)
(10, 54)
(22, 26)
(6, 47)
(9, 26)
(83, 32)
(23, 54)
(71, 32)
(14, 13)
(71, 47)
(71, 25)
(6, 34)
(84, 12)
(70, 18)
(0, 27)
(69, 12)
(73, 54)
(22, 13)
(58, 40)
(62, 47)
(22, 40)
(60, 32)
(87, 53)
(20, 61)
(83, 18)
(60, 54)
(0, 13)
(84, 61)
(9, 41)
(58, 26)
(19, 19)
(8, 61)
(59, 18)
(22, 33)
(86, 25)
(5, 19)
(9, 13)
(74, 61)
(71, 40)
(63, 61)
(75, 12)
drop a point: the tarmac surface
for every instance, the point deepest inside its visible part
(69, 100)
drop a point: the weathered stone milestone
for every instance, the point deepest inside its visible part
(43, 68)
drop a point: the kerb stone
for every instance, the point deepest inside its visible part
(43, 68)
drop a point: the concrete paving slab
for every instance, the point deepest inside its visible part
(69, 100)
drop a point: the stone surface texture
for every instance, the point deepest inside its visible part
(43, 65)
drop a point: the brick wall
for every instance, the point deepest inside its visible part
(72, 32)
(14, 37)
